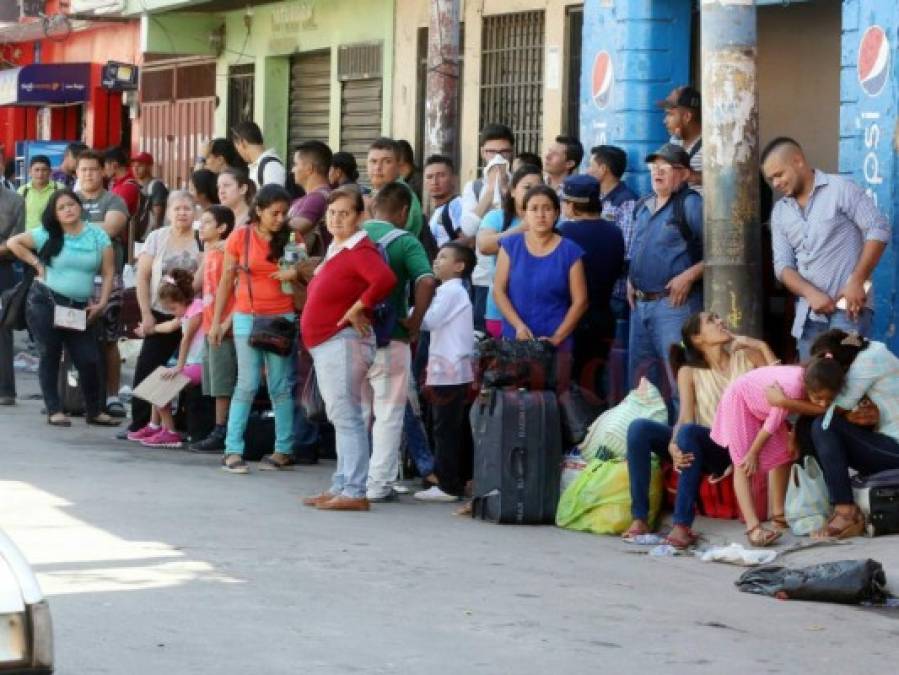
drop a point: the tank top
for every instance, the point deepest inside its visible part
(709, 385)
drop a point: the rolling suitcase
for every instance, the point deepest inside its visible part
(517, 456)
(877, 496)
(69, 387)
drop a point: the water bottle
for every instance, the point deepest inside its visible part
(293, 253)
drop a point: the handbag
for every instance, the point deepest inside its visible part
(12, 302)
(807, 504)
(273, 334)
(311, 399)
(523, 364)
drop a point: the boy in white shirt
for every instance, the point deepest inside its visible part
(450, 373)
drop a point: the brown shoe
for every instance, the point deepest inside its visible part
(342, 503)
(317, 499)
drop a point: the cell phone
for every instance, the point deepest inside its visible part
(841, 303)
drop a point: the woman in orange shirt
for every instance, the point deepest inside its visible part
(250, 272)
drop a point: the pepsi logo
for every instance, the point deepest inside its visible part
(873, 60)
(603, 78)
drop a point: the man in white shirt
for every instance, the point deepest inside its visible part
(264, 166)
(450, 372)
(683, 120)
(446, 208)
(482, 195)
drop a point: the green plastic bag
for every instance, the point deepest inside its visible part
(599, 500)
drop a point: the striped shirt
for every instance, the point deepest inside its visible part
(618, 208)
(709, 386)
(824, 240)
(874, 373)
(694, 150)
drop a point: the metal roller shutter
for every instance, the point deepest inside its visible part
(310, 98)
(360, 100)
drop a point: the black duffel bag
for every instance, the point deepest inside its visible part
(524, 364)
(12, 302)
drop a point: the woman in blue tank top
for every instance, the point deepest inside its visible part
(540, 287)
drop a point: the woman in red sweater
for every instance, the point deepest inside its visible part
(336, 329)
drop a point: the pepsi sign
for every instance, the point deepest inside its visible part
(873, 63)
(603, 80)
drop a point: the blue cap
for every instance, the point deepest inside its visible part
(581, 189)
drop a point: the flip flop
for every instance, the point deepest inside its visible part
(63, 422)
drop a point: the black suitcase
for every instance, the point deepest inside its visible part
(259, 438)
(517, 456)
(877, 496)
(69, 387)
(197, 413)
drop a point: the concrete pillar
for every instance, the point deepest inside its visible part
(442, 101)
(730, 163)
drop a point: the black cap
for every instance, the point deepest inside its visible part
(671, 153)
(581, 189)
(682, 97)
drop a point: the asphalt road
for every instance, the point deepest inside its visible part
(158, 562)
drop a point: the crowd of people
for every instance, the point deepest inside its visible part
(305, 278)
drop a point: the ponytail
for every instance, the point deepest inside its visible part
(685, 353)
(177, 286)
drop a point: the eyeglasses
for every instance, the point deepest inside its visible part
(660, 168)
(491, 152)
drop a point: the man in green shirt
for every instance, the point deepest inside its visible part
(389, 375)
(38, 190)
(383, 169)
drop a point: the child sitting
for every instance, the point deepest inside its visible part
(176, 295)
(450, 372)
(219, 361)
(756, 434)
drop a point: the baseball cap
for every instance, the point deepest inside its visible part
(581, 189)
(671, 153)
(682, 97)
(142, 158)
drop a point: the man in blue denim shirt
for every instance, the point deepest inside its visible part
(666, 264)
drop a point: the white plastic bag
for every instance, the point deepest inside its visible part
(807, 503)
(737, 554)
(609, 431)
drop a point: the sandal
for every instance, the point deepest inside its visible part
(779, 522)
(103, 420)
(276, 462)
(61, 421)
(854, 527)
(464, 510)
(116, 409)
(637, 528)
(681, 537)
(233, 463)
(761, 537)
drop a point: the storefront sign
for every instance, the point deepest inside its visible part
(287, 21)
(9, 79)
(45, 84)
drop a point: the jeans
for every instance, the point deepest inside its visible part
(655, 326)
(81, 346)
(417, 441)
(645, 437)
(839, 319)
(7, 374)
(843, 445)
(155, 351)
(452, 436)
(388, 394)
(479, 306)
(346, 358)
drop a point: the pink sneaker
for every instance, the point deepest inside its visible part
(143, 434)
(163, 439)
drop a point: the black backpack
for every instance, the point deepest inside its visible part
(679, 220)
(294, 190)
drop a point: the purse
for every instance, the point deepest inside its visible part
(12, 302)
(311, 399)
(273, 334)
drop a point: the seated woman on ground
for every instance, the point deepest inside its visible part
(848, 438)
(707, 360)
(758, 439)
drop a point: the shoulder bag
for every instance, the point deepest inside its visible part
(269, 333)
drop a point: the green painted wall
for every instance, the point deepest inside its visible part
(180, 33)
(281, 29)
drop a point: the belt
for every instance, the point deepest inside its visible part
(643, 296)
(42, 289)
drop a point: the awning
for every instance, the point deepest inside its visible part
(40, 84)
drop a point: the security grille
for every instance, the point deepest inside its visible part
(310, 98)
(574, 18)
(512, 75)
(359, 70)
(241, 86)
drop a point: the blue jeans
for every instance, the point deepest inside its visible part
(839, 319)
(645, 438)
(655, 326)
(346, 358)
(249, 376)
(843, 445)
(417, 442)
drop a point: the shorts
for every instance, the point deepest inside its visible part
(110, 326)
(220, 369)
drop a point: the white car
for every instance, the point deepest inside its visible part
(26, 632)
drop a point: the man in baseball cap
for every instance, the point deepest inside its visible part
(155, 195)
(683, 120)
(664, 282)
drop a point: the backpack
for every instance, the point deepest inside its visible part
(679, 220)
(446, 218)
(144, 211)
(385, 317)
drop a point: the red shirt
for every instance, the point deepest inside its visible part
(213, 262)
(128, 189)
(352, 274)
(268, 298)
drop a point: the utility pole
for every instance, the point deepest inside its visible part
(730, 167)
(442, 100)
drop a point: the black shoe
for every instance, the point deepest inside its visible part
(213, 443)
(7, 400)
(122, 435)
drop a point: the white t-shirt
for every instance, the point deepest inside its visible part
(450, 319)
(274, 170)
(471, 222)
(436, 223)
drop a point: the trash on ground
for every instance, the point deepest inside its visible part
(848, 582)
(737, 554)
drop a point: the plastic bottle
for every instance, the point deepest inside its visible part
(293, 253)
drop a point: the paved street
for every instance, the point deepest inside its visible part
(158, 562)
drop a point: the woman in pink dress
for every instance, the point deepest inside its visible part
(756, 434)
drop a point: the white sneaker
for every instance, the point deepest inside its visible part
(434, 494)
